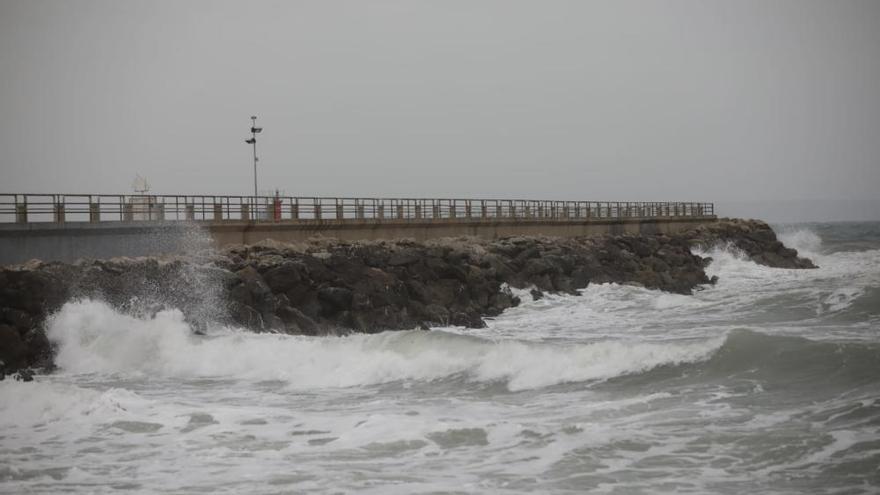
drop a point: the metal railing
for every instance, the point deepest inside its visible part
(95, 208)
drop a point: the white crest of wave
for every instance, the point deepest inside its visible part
(93, 338)
(807, 242)
(732, 266)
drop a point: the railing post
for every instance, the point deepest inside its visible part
(359, 211)
(294, 211)
(276, 209)
(340, 211)
(21, 213)
(245, 212)
(452, 208)
(467, 209)
(400, 212)
(418, 210)
(59, 212)
(218, 212)
(380, 211)
(317, 211)
(483, 212)
(94, 212)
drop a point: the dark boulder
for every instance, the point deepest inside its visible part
(334, 299)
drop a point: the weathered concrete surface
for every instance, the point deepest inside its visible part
(75, 240)
(249, 233)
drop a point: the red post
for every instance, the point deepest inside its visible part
(276, 209)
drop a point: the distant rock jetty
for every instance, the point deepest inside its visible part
(330, 287)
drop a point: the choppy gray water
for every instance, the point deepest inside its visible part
(768, 382)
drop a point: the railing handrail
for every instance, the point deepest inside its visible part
(371, 198)
(60, 208)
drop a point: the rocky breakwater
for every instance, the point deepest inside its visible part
(753, 238)
(331, 287)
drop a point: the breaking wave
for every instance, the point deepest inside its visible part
(805, 240)
(92, 337)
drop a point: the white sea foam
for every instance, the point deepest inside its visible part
(807, 242)
(840, 299)
(43, 403)
(94, 338)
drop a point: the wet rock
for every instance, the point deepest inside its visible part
(753, 237)
(12, 350)
(283, 277)
(334, 299)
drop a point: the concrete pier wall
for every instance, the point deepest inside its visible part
(239, 233)
(73, 240)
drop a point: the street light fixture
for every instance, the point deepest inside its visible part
(253, 140)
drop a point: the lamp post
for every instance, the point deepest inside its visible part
(253, 140)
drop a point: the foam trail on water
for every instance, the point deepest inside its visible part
(39, 402)
(93, 338)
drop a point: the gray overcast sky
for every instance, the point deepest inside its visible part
(618, 100)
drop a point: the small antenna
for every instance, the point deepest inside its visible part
(253, 140)
(140, 184)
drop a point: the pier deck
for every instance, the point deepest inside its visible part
(69, 226)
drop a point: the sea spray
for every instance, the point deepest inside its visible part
(805, 240)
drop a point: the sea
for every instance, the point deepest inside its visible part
(767, 382)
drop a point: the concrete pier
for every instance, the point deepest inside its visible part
(74, 240)
(68, 227)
